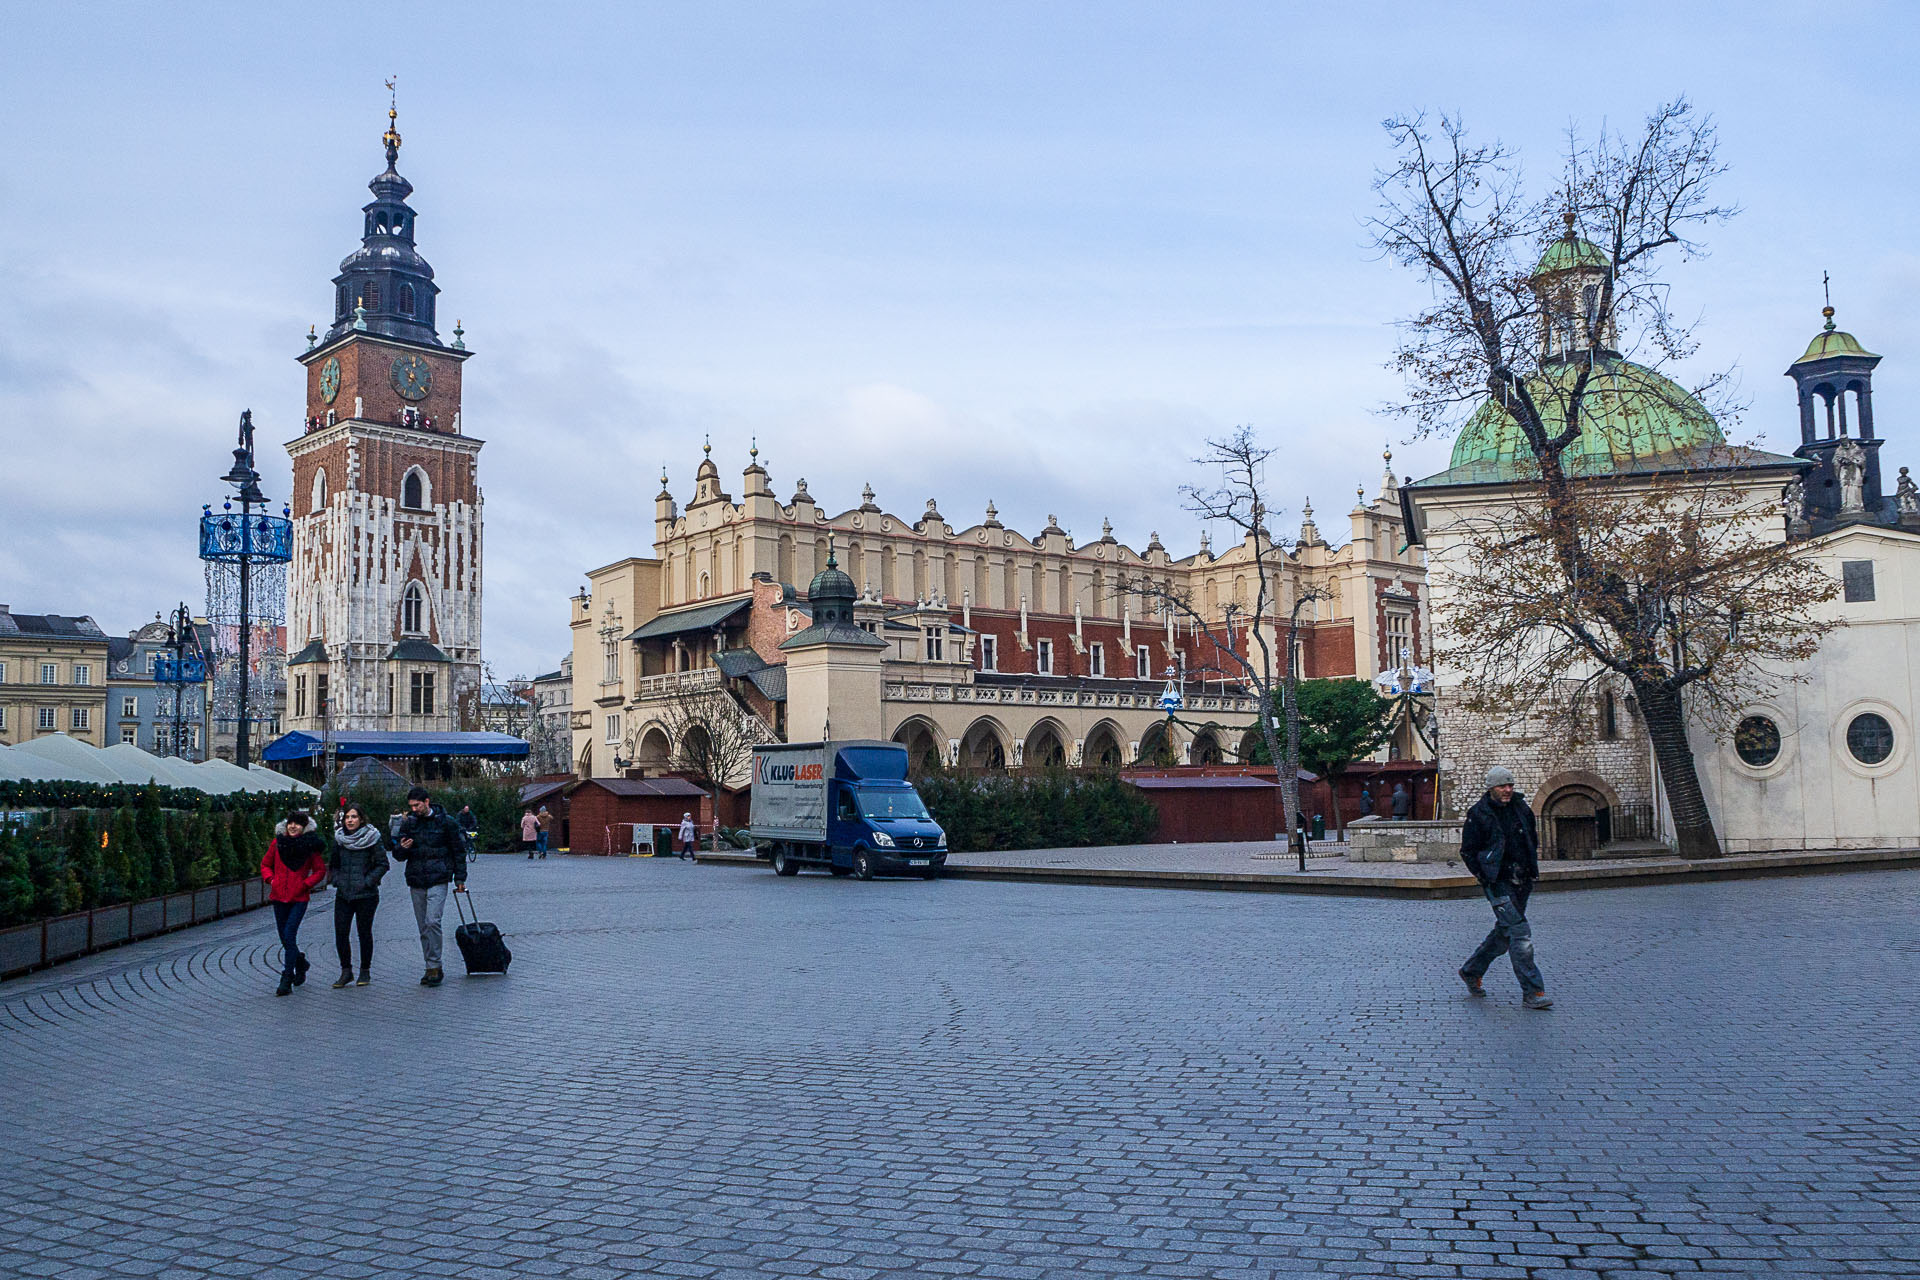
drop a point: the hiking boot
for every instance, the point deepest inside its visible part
(344, 980)
(1473, 984)
(434, 978)
(366, 977)
(1538, 1000)
(286, 985)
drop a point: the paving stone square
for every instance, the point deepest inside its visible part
(709, 1071)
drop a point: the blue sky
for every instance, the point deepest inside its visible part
(1032, 253)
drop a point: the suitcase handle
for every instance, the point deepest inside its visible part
(458, 898)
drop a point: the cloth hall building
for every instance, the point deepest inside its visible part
(977, 646)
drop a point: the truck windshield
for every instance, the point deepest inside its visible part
(903, 803)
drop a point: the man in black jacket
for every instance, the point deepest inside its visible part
(1501, 846)
(435, 851)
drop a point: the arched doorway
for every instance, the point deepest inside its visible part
(1571, 823)
(1206, 748)
(922, 742)
(1046, 747)
(1103, 749)
(1156, 746)
(656, 753)
(984, 746)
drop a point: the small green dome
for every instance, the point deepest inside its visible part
(1833, 342)
(1568, 252)
(1628, 412)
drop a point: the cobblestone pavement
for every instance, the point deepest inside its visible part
(706, 1071)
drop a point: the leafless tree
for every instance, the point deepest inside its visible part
(713, 740)
(1241, 641)
(1678, 605)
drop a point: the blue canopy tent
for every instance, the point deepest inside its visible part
(397, 746)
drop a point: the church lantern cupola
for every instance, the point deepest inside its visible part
(1570, 282)
(385, 287)
(1834, 379)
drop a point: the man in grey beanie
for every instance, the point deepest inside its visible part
(1501, 846)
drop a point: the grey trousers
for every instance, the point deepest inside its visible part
(429, 904)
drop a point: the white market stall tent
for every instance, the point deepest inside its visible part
(59, 758)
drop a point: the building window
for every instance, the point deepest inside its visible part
(370, 295)
(1399, 637)
(340, 307)
(1143, 663)
(390, 704)
(82, 718)
(1756, 740)
(320, 694)
(421, 684)
(1043, 657)
(319, 489)
(1856, 580)
(412, 609)
(82, 673)
(1870, 738)
(613, 729)
(936, 644)
(3, 673)
(406, 296)
(414, 491)
(3, 719)
(1609, 716)
(130, 733)
(299, 697)
(610, 672)
(49, 673)
(45, 719)
(129, 707)
(1097, 660)
(989, 653)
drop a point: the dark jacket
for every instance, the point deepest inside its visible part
(294, 871)
(1488, 850)
(357, 872)
(439, 851)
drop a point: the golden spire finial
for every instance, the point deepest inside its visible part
(392, 136)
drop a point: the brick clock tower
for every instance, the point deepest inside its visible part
(383, 604)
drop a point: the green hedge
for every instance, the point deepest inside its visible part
(1056, 809)
(496, 804)
(61, 862)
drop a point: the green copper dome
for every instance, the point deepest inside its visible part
(1568, 252)
(1833, 342)
(1628, 412)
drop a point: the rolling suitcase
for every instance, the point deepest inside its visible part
(480, 943)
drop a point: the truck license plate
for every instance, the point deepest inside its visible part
(919, 862)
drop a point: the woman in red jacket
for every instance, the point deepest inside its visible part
(295, 865)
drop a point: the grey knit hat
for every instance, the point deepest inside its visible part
(1500, 776)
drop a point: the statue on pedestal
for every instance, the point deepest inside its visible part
(1850, 468)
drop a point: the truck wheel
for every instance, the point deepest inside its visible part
(862, 865)
(783, 864)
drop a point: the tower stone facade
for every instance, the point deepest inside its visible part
(385, 588)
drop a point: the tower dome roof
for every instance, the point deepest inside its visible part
(1833, 342)
(1568, 252)
(1628, 412)
(832, 583)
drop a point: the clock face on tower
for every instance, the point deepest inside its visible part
(412, 378)
(330, 379)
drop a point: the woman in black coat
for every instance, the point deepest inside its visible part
(359, 860)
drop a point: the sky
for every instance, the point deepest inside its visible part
(1033, 254)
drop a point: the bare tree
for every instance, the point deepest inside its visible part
(1677, 604)
(1238, 502)
(713, 740)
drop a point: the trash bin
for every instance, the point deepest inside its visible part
(663, 841)
(1319, 827)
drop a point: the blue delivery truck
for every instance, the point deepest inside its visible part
(846, 806)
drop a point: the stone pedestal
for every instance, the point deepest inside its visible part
(1384, 840)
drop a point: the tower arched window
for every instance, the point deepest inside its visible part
(406, 299)
(319, 488)
(370, 295)
(413, 609)
(342, 302)
(415, 492)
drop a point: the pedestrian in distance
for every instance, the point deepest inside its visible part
(1366, 801)
(686, 836)
(359, 860)
(435, 851)
(529, 832)
(1501, 846)
(469, 826)
(294, 866)
(543, 826)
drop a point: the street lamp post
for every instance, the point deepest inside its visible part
(255, 540)
(1411, 690)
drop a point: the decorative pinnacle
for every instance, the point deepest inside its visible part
(754, 451)
(1826, 289)
(459, 337)
(312, 337)
(707, 448)
(1566, 217)
(360, 313)
(832, 563)
(392, 136)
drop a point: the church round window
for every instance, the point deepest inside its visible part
(1870, 738)
(1756, 739)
